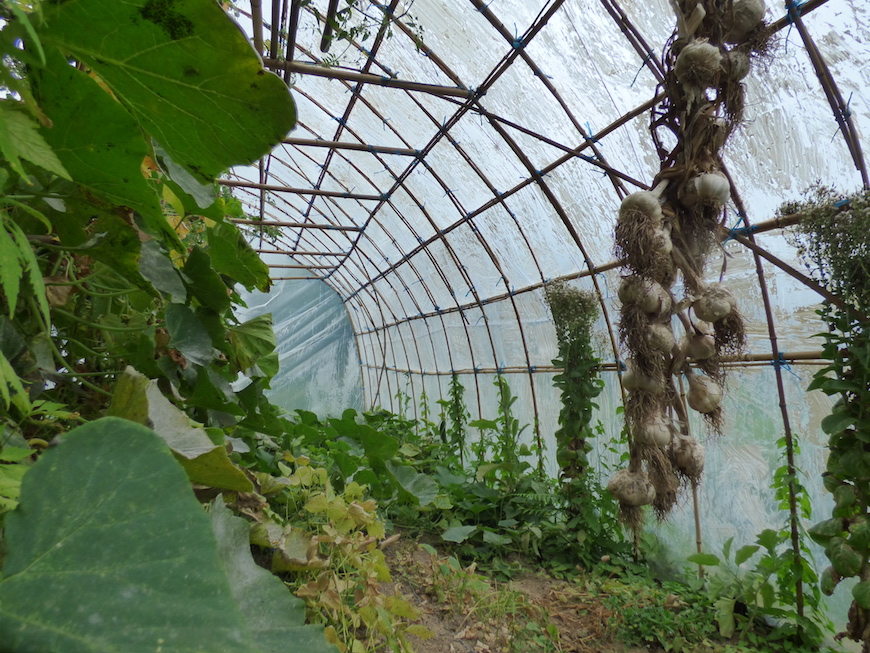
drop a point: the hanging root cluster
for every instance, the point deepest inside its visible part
(666, 234)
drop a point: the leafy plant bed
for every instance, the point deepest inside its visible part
(607, 610)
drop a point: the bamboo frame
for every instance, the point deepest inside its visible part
(371, 287)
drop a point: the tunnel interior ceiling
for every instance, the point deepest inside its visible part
(453, 158)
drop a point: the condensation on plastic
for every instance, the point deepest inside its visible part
(789, 141)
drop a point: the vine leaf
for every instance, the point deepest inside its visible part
(274, 615)
(98, 141)
(189, 335)
(837, 421)
(704, 559)
(861, 594)
(231, 255)
(104, 580)
(20, 139)
(139, 399)
(186, 73)
(458, 533)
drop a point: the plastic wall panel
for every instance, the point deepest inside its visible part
(538, 326)
(508, 245)
(464, 40)
(485, 278)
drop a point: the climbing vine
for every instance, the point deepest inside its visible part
(833, 242)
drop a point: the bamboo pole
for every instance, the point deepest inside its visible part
(295, 225)
(362, 147)
(298, 253)
(257, 22)
(232, 183)
(364, 78)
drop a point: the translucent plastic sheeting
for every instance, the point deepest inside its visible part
(319, 365)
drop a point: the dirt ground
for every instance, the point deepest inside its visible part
(468, 613)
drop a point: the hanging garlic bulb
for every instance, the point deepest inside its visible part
(698, 65)
(649, 296)
(736, 65)
(710, 188)
(643, 204)
(699, 346)
(631, 488)
(654, 432)
(704, 394)
(661, 338)
(634, 379)
(688, 455)
(747, 15)
(717, 302)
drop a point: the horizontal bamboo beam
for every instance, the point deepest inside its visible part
(366, 78)
(740, 360)
(299, 266)
(295, 225)
(290, 252)
(360, 147)
(233, 183)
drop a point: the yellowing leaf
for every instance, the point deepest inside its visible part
(318, 503)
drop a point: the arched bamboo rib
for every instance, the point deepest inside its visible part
(506, 34)
(371, 57)
(599, 162)
(295, 225)
(566, 222)
(635, 38)
(360, 147)
(364, 78)
(804, 279)
(526, 182)
(842, 113)
(298, 266)
(739, 361)
(776, 357)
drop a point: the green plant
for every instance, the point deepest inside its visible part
(591, 511)
(670, 615)
(107, 564)
(457, 416)
(768, 591)
(833, 240)
(495, 612)
(325, 544)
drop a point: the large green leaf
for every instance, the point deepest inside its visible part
(206, 284)
(422, 487)
(184, 70)
(274, 615)
(139, 399)
(254, 345)
(188, 334)
(232, 256)
(98, 141)
(110, 551)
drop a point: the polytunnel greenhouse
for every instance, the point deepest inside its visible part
(528, 325)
